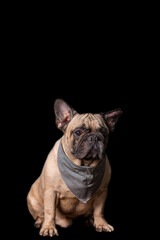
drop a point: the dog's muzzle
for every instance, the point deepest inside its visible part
(91, 146)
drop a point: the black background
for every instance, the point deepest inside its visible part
(95, 68)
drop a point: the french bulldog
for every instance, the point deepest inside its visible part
(75, 177)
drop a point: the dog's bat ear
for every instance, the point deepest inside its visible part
(112, 117)
(64, 113)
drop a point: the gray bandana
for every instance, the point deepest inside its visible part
(82, 181)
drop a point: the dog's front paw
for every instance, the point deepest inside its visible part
(102, 226)
(48, 230)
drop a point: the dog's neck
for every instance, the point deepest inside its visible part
(78, 162)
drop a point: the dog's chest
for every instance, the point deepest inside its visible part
(71, 206)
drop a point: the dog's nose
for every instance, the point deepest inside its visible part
(93, 138)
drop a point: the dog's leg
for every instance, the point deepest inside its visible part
(35, 207)
(89, 217)
(50, 198)
(99, 222)
(62, 220)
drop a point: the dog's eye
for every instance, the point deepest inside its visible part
(103, 131)
(78, 132)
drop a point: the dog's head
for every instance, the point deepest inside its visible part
(85, 135)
